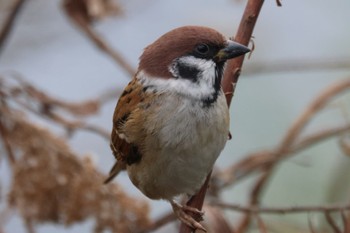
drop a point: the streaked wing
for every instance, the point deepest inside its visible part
(127, 129)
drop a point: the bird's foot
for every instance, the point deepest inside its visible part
(189, 215)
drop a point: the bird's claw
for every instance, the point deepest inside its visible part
(189, 215)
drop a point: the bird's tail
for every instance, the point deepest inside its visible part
(117, 167)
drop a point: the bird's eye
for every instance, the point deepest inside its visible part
(202, 49)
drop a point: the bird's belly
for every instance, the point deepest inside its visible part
(174, 171)
(178, 158)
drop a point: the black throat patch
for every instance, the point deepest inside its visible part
(219, 70)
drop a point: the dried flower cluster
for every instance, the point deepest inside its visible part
(51, 184)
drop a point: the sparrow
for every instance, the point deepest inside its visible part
(172, 121)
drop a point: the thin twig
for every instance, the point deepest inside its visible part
(311, 225)
(84, 25)
(331, 222)
(163, 220)
(243, 36)
(345, 221)
(261, 224)
(299, 65)
(253, 201)
(68, 124)
(283, 210)
(7, 145)
(9, 22)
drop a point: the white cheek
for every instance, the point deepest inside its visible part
(202, 88)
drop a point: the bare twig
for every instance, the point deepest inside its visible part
(345, 221)
(68, 124)
(311, 225)
(41, 104)
(244, 33)
(7, 145)
(254, 201)
(80, 20)
(332, 223)
(231, 76)
(163, 220)
(296, 66)
(9, 22)
(261, 224)
(283, 210)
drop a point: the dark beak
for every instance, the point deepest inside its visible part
(231, 50)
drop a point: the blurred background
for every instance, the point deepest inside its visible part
(301, 49)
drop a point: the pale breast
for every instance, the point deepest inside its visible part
(183, 142)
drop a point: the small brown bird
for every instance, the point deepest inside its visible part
(172, 121)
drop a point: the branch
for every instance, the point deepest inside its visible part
(267, 67)
(229, 81)
(165, 219)
(7, 145)
(244, 33)
(9, 22)
(283, 210)
(80, 20)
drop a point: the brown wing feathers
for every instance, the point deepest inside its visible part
(124, 150)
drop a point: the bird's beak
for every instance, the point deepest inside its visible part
(231, 50)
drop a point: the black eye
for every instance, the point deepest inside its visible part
(202, 49)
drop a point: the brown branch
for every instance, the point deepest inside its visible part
(332, 223)
(302, 121)
(7, 145)
(345, 221)
(80, 20)
(311, 225)
(68, 124)
(165, 219)
(43, 105)
(244, 33)
(9, 22)
(254, 201)
(261, 224)
(283, 210)
(299, 65)
(229, 81)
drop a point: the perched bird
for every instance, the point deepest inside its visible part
(172, 121)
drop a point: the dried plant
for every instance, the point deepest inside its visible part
(51, 184)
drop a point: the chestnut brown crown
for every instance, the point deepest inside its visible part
(181, 41)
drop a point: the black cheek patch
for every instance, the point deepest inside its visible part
(134, 155)
(188, 72)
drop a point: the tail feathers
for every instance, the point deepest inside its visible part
(117, 167)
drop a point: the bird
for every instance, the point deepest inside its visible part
(172, 121)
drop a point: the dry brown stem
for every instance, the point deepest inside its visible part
(332, 223)
(283, 210)
(66, 189)
(161, 221)
(261, 225)
(299, 65)
(77, 11)
(9, 22)
(43, 105)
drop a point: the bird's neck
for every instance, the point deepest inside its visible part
(193, 78)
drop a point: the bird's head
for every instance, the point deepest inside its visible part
(190, 61)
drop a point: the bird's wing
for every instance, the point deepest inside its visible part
(127, 133)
